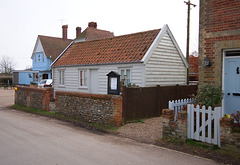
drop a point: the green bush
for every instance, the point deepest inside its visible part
(209, 95)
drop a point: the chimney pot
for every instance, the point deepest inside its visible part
(64, 32)
(78, 31)
(92, 24)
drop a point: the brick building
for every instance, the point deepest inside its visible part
(219, 44)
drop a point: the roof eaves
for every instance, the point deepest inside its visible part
(38, 39)
(154, 44)
(114, 63)
(178, 49)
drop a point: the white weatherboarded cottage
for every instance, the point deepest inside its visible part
(145, 59)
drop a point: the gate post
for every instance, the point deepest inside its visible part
(189, 110)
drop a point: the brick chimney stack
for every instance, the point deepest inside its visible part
(64, 32)
(78, 31)
(92, 24)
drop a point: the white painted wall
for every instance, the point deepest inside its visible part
(39, 47)
(72, 77)
(165, 66)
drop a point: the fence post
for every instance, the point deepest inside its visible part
(159, 100)
(170, 105)
(189, 121)
(124, 102)
(177, 92)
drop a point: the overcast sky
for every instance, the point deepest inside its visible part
(21, 21)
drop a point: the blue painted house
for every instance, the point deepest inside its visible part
(46, 50)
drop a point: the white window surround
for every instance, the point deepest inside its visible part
(82, 78)
(125, 75)
(61, 74)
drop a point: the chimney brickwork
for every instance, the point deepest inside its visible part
(92, 24)
(64, 32)
(78, 31)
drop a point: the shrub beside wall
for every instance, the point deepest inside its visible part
(38, 98)
(93, 108)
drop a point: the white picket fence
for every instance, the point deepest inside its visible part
(178, 105)
(204, 124)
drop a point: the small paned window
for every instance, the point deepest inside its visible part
(125, 77)
(61, 77)
(82, 78)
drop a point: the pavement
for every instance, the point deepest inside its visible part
(31, 139)
(6, 97)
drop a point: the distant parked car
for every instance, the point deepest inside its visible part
(45, 83)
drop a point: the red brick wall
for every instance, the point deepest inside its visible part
(219, 30)
(222, 15)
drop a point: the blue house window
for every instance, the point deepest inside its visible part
(39, 58)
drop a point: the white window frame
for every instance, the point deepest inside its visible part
(61, 79)
(125, 75)
(82, 78)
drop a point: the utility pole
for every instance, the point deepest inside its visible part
(188, 30)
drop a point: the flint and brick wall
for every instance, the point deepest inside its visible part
(229, 139)
(219, 30)
(174, 129)
(38, 98)
(178, 129)
(93, 108)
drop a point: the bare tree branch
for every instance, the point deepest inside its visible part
(7, 64)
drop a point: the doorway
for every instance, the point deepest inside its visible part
(231, 82)
(93, 81)
(45, 76)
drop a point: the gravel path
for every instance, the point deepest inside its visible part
(148, 132)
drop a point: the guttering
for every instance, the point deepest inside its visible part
(130, 62)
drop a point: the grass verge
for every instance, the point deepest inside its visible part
(201, 149)
(75, 121)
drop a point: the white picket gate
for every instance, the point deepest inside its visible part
(177, 105)
(204, 124)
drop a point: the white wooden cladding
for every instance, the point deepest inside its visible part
(165, 66)
(178, 105)
(204, 123)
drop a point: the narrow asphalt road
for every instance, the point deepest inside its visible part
(30, 139)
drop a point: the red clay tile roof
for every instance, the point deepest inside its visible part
(53, 46)
(91, 33)
(126, 48)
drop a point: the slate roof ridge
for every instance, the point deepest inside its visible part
(135, 33)
(124, 35)
(87, 33)
(54, 37)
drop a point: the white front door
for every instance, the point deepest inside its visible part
(93, 81)
(232, 83)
